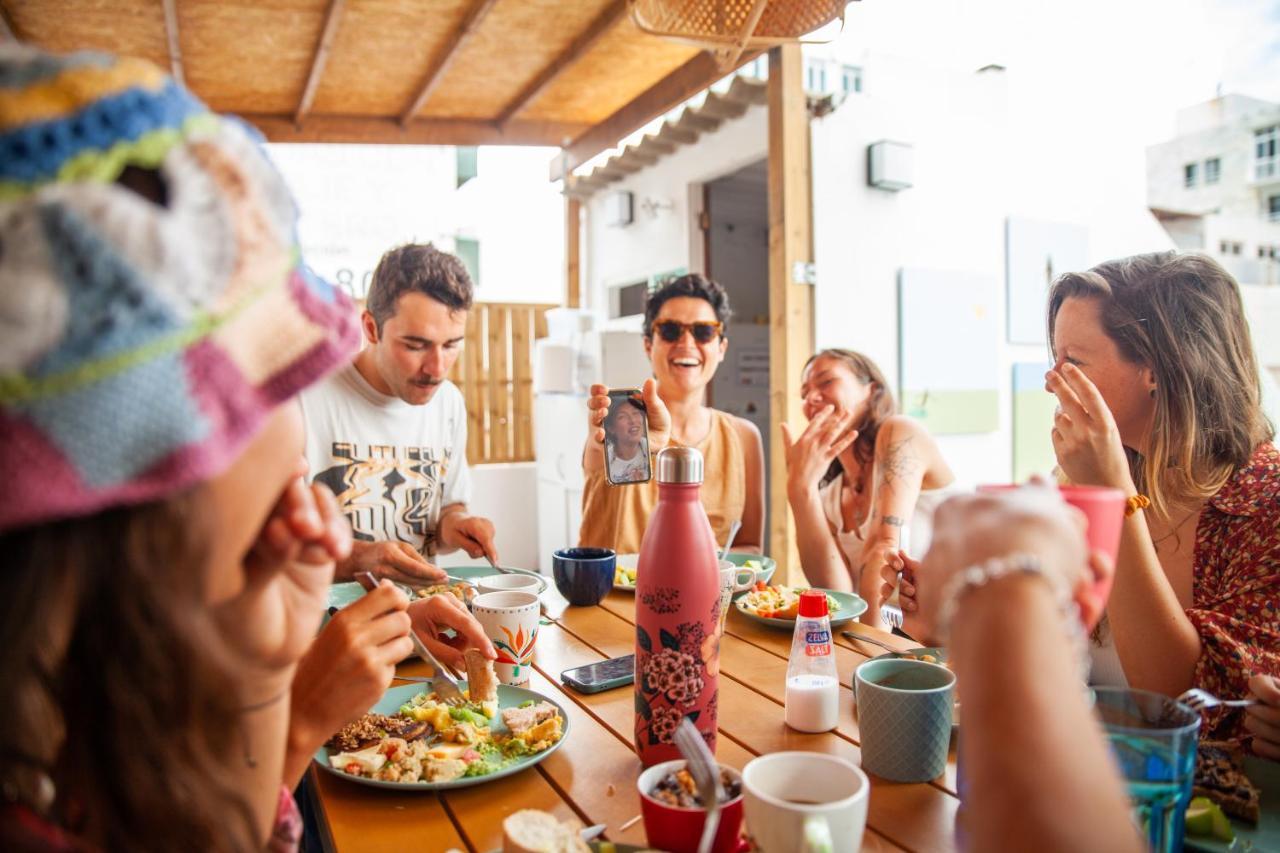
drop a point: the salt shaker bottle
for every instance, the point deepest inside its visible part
(813, 686)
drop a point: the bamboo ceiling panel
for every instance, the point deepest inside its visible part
(623, 64)
(245, 56)
(516, 40)
(381, 52)
(131, 27)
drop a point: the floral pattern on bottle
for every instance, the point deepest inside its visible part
(664, 599)
(672, 677)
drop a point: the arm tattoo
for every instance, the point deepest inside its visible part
(892, 520)
(898, 462)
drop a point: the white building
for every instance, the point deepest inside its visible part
(1216, 185)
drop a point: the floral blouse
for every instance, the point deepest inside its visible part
(1236, 591)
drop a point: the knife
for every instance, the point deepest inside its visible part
(591, 833)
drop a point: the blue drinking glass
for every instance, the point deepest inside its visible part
(1153, 738)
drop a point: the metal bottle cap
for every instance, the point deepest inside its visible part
(679, 465)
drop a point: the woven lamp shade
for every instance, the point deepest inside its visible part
(729, 26)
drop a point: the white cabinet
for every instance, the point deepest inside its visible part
(560, 431)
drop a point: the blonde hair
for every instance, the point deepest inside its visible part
(1182, 317)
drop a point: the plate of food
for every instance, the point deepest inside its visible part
(412, 741)
(461, 585)
(1234, 801)
(777, 605)
(624, 576)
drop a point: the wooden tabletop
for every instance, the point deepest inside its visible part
(592, 776)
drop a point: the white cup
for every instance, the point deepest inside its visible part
(507, 583)
(802, 801)
(510, 621)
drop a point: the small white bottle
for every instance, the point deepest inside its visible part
(813, 687)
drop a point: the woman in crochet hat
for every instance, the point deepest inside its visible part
(164, 565)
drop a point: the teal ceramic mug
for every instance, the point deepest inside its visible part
(904, 715)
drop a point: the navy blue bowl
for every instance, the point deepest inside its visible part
(583, 575)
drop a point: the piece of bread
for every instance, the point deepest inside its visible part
(534, 831)
(482, 683)
(1220, 777)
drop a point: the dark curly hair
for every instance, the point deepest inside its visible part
(694, 285)
(421, 268)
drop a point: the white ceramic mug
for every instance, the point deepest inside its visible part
(805, 802)
(507, 583)
(510, 621)
(731, 581)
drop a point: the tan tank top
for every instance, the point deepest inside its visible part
(615, 516)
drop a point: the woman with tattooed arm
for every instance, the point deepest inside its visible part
(860, 478)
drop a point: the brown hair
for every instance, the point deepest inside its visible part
(880, 405)
(116, 688)
(418, 268)
(1181, 316)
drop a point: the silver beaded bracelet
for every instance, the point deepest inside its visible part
(982, 574)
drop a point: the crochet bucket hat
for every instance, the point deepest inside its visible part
(145, 334)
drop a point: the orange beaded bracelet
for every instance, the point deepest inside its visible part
(1136, 503)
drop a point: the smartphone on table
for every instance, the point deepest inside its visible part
(626, 438)
(604, 675)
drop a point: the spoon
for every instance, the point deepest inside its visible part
(706, 775)
(728, 543)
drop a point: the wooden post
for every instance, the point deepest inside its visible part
(790, 302)
(572, 224)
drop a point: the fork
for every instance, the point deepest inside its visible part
(1200, 700)
(891, 615)
(706, 775)
(444, 683)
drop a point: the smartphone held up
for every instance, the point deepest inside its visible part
(626, 438)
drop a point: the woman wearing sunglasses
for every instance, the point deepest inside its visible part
(862, 480)
(685, 322)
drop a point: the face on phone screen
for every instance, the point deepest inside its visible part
(626, 438)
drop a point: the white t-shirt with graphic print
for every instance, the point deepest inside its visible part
(392, 465)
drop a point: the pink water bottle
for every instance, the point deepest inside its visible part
(677, 613)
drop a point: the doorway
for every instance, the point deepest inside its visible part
(736, 254)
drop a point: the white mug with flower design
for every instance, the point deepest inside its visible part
(510, 621)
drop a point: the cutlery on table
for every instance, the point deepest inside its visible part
(591, 833)
(728, 543)
(1201, 700)
(445, 681)
(940, 654)
(706, 775)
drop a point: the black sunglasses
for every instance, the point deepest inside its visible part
(703, 331)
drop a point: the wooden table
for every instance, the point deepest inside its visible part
(592, 776)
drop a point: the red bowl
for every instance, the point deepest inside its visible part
(679, 830)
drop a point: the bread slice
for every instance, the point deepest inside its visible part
(534, 831)
(482, 683)
(1220, 777)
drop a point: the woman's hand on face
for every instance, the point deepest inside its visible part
(1085, 437)
(287, 575)
(656, 414)
(809, 456)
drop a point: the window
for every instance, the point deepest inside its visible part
(467, 166)
(811, 77)
(1230, 247)
(851, 79)
(1212, 170)
(1265, 144)
(1273, 208)
(1189, 175)
(468, 252)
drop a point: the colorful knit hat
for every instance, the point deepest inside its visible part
(143, 340)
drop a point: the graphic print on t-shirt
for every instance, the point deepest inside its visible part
(389, 493)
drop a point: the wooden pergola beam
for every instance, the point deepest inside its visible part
(604, 22)
(466, 29)
(680, 85)
(790, 300)
(389, 131)
(323, 46)
(171, 35)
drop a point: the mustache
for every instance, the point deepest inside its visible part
(430, 380)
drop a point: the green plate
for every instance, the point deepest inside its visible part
(736, 557)
(1266, 835)
(851, 607)
(342, 594)
(508, 697)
